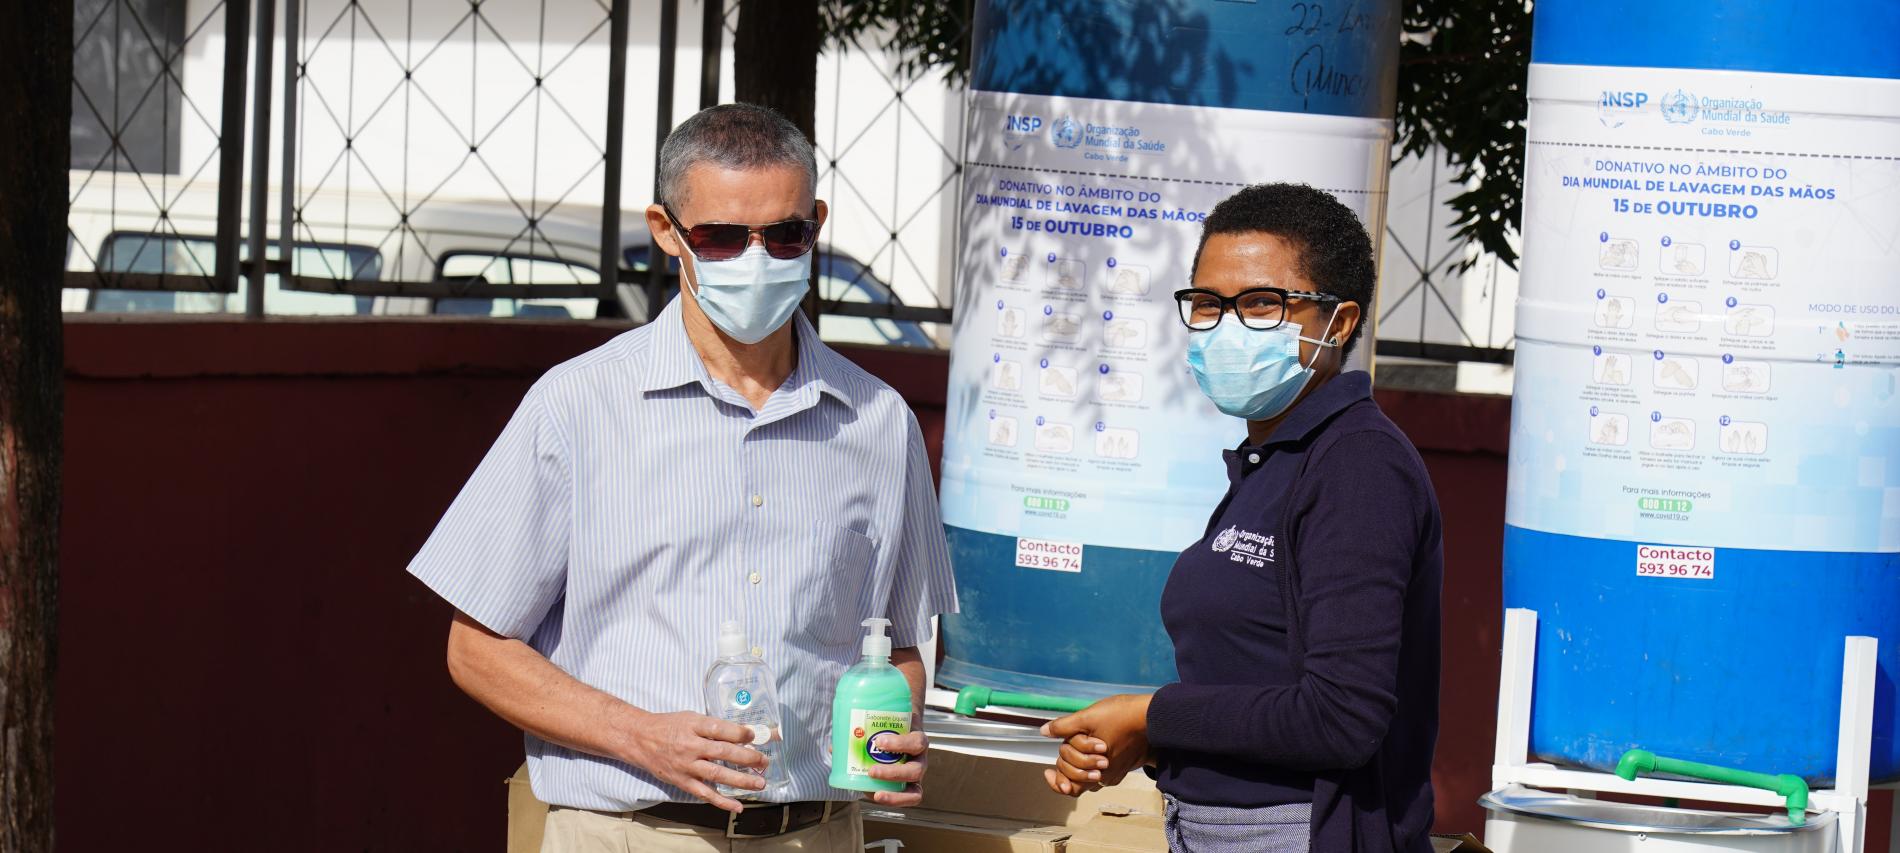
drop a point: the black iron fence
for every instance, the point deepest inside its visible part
(467, 157)
(132, 117)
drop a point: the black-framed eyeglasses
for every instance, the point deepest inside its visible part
(1259, 308)
(723, 241)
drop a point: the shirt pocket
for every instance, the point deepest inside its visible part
(832, 603)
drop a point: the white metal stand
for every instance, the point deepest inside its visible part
(1848, 799)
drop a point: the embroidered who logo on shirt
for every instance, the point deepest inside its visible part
(1246, 546)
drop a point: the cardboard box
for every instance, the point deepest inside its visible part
(968, 785)
(1465, 843)
(999, 787)
(526, 815)
(1113, 820)
(929, 831)
(1132, 833)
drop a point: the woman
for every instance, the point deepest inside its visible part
(1305, 621)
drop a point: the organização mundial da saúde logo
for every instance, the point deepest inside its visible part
(1065, 133)
(1680, 107)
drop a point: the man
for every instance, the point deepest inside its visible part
(718, 463)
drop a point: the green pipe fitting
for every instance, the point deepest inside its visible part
(1787, 785)
(969, 699)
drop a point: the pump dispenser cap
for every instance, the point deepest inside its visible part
(876, 644)
(732, 642)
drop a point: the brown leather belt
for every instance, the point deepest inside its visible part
(762, 820)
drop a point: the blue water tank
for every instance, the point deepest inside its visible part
(1704, 494)
(1079, 456)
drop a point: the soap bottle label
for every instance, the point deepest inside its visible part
(870, 729)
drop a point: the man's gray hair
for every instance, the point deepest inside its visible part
(733, 136)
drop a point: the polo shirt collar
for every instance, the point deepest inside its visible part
(673, 362)
(1307, 417)
(1320, 406)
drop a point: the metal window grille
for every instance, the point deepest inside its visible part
(887, 170)
(1433, 306)
(409, 133)
(147, 148)
(401, 121)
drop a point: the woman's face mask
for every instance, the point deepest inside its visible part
(1250, 373)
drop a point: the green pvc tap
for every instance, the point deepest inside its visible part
(1787, 785)
(970, 699)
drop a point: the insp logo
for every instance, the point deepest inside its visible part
(1019, 130)
(1022, 124)
(1614, 106)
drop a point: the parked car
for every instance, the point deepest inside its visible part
(116, 228)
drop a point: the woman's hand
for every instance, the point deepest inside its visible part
(1101, 743)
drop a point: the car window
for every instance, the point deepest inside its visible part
(197, 255)
(514, 269)
(349, 263)
(853, 330)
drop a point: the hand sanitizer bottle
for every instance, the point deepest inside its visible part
(739, 689)
(873, 703)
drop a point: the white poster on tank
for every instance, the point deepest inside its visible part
(1072, 416)
(1709, 321)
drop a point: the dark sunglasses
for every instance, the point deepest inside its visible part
(723, 241)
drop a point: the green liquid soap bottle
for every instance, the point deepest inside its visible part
(873, 704)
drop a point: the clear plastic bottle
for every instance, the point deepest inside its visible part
(739, 689)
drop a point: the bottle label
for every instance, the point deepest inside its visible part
(870, 729)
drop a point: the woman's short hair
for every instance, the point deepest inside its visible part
(1335, 251)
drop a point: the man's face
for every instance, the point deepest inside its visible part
(755, 197)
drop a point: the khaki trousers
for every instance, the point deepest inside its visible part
(582, 831)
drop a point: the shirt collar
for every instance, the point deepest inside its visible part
(674, 362)
(1327, 400)
(1307, 417)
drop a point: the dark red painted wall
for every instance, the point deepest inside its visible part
(243, 657)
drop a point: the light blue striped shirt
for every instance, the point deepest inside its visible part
(633, 503)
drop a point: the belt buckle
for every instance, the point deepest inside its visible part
(732, 824)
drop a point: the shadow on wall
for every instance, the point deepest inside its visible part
(1162, 47)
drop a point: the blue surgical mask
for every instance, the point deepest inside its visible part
(1249, 373)
(752, 295)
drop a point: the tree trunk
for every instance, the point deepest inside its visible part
(36, 41)
(775, 64)
(775, 58)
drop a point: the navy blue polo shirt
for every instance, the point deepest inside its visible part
(1305, 623)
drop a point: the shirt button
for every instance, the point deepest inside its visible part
(1252, 458)
(754, 578)
(758, 652)
(758, 500)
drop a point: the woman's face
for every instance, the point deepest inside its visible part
(1231, 263)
